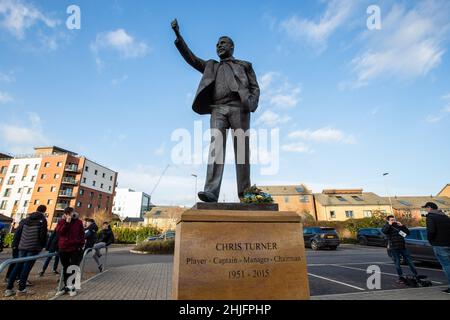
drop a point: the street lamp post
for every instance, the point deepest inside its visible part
(196, 180)
(387, 190)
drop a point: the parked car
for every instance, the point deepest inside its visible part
(371, 237)
(419, 247)
(163, 236)
(321, 237)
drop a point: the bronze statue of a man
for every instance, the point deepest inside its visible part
(229, 92)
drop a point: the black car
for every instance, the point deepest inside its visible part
(371, 237)
(419, 247)
(321, 237)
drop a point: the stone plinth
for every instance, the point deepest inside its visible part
(239, 255)
(237, 206)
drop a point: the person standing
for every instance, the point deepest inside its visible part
(70, 233)
(32, 237)
(396, 233)
(438, 229)
(52, 247)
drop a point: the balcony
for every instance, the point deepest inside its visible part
(61, 206)
(71, 168)
(66, 194)
(67, 180)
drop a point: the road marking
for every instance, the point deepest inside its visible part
(344, 264)
(84, 282)
(386, 273)
(338, 282)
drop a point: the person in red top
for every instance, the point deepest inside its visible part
(70, 232)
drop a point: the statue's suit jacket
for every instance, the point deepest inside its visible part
(243, 72)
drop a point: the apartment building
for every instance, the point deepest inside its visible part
(343, 204)
(412, 206)
(57, 178)
(129, 203)
(296, 198)
(445, 192)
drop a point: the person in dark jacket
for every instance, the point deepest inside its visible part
(15, 255)
(32, 238)
(438, 229)
(70, 232)
(52, 247)
(106, 235)
(2, 235)
(396, 234)
(91, 237)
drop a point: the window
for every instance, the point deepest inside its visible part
(39, 189)
(93, 183)
(367, 213)
(1, 180)
(98, 207)
(11, 180)
(86, 169)
(286, 199)
(103, 175)
(49, 202)
(36, 166)
(414, 235)
(16, 203)
(36, 202)
(110, 178)
(29, 190)
(405, 203)
(81, 192)
(3, 169)
(91, 194)
(89, 205)
(349, 214)
(340, 198)
(15, 168)
(23, 178)
(109, 188)
(357, 198)
(47, 164)
(19, 190)
(59, 164)
(304, 199)
(3, 205)
(43, 176)
(33, 178)
(333, 214)
(84, 180)
(7, 193)
(299, 189)
(52, 189)
(56, 176)
(25, 203)
(79, 204)
(101, 186)
(95, 172)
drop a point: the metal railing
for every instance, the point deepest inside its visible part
(8, 262)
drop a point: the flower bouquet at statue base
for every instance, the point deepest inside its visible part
(254, 195)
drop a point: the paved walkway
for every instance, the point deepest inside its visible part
(431, 293)
(153, 282)
(137, 282)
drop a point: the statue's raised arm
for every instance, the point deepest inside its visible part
(192, 59)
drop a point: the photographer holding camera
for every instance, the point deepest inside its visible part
(70, 232)
(396, 233)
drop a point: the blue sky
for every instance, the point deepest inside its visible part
(350, 103)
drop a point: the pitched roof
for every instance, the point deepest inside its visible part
(165, 212)
(445, 187)
(291, 190)
(418, 202)
(346, 199)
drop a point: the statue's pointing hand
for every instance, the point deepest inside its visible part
(176, 27)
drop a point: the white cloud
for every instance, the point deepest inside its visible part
(117, 81)
(278, 92)
(446, 97)
(17, 16)
(19, 138)
(409, 45)
(296, 147)
(5, 97)
(122, 42)
(316, 33)
(434, 119)
(323, 135)
(7, 77)
(272, 119)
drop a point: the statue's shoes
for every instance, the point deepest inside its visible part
(207, 196)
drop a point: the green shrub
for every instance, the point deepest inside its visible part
(7, 242)
(125, 235)
(157, 246)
